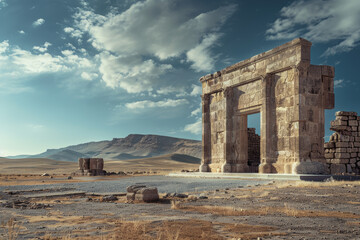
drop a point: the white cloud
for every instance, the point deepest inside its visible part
(197, 90)
(38, 22)
(169, 89)
(20, 61)
(200, 55)
(320, 21)
(67, 52)
(338, 83)
(4, 47)
(159, 104)
(131, 73)
(32, 63)
(196, 112)
(22, 32)
(89, 76)
(3, 3)
(43, 48)
(75, 33)
(159, 28)
(136, 43)
(195, 128)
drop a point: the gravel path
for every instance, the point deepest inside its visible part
(163, 183)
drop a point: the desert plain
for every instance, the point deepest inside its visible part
(50, 207)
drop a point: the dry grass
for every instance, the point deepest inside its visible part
(11, 229)
(189, 229)
(304, 184)
(262, 211)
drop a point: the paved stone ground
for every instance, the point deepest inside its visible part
(164, 184)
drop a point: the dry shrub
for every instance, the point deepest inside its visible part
(11, 229)
(176, 204)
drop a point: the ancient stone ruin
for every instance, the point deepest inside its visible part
(91, 166)
(342, 152)
(289, 93)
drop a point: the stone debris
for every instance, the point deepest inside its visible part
(290, 93)
(342, 152)
(142, 193)
(23, 204)
(110, 198)
(45, 175)
(91, 166)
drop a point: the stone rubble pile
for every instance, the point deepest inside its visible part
(342, 152)
(91, 166)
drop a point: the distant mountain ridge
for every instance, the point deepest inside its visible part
(134, 146)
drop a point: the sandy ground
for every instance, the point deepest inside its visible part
(278, 210)
(38, 166)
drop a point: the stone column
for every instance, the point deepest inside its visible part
(206, 134)
(266, 165)
(228, 95)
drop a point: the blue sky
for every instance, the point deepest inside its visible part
(79, 71)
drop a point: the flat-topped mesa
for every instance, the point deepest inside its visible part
(291, 95)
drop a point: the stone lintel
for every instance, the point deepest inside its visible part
(305, 56)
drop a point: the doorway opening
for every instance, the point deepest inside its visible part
(253, 130)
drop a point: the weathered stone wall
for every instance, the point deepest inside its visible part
(253, 150)
(342, 152)
(291, 95)
(91, 166)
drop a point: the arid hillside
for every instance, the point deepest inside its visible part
(134, 146)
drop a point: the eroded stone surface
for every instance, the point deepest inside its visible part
(91, 166)
(342, 152)
(291, 95)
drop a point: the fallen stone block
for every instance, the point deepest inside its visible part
(109, 198)
(147, 195)
(134, 188)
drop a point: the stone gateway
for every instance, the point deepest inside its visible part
(289, 93)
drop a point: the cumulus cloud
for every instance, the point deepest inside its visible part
(138, 43)
(22, 32)
(89, 76)
(159, 28)
(42, 48)
(39, 61)
(197, 90)
(33, 63)
(320, 21)
(4, 46)
(38, 22)
(75, 33)
(200, 56)
(131, 73)
(159, 104)
(195, 128)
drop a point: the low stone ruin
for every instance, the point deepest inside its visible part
(342, 152)
(91, 166)
(142, 193)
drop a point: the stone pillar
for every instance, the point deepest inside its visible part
(266, 165)
(228, 95)
(206, 134)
